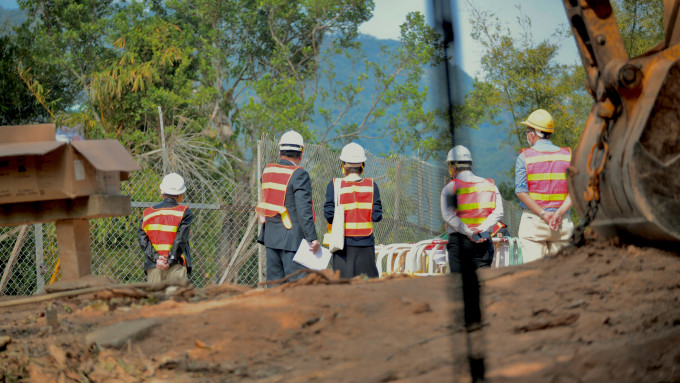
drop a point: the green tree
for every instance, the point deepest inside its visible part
(398, 106)
(69, 36)
(224, 72)
(640, 23)
(520, 75)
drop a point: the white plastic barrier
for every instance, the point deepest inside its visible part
(390, 255)
(429, 257)
(421, 259)
(508, 252)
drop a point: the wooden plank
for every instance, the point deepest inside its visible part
(10, 233)
(94, 206)
(73, 241)
(13, 257)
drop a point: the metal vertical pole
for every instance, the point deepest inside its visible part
(260, 248)
(39, 258)
(165, 156)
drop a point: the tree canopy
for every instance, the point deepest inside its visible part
(223, 72)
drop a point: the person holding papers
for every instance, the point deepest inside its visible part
(285, 209)
(360, 199)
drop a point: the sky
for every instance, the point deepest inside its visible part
(9, 4)
(545, 16)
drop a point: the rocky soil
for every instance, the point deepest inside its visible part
(599, 313)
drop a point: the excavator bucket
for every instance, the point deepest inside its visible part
(627, 164)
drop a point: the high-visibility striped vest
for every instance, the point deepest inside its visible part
(547, 176)
(275, 179)
(160, 225)
(498, 228)
(357, 200)
(475, 200)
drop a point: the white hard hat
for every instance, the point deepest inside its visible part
(459, 153)
(291, 140)
(173, 184)
(353, 154)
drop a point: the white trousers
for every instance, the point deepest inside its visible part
(538, 240)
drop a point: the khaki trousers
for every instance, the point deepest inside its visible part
(538, 240)
(174, 272)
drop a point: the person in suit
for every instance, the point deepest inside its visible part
(360, 198)
(285, 209)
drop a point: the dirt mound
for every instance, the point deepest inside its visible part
(595, 314)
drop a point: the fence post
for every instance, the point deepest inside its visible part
(39, 258)
(421, 194)
(260, 248)
(165, 156)
(397, 193)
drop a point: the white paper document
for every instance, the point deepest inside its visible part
(316, 261)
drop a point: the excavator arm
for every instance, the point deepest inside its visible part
(625, 173)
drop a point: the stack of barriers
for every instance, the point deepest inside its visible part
(429, 257)
(507, 252)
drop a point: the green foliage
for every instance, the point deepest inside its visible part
(521, 75)
(640, 23)
(398, 105)
(225, 72)
(17, 105)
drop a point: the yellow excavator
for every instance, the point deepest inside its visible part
(625, 173)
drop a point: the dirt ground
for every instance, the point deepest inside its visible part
(596, 314)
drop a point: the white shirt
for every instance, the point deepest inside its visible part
(453, 222)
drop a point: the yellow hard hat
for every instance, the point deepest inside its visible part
(541, 120)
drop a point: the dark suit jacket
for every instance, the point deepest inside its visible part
(299, 204)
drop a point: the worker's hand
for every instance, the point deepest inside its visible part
(314, 246)
(555, 221)
(162, 263)
(547, 216)
(475, 236)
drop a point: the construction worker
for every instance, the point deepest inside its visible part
(285, 209)
(360, 198)
(164, 233)
(471, 207)
(541, 186)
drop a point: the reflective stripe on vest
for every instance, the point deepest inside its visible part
(547, 176)
(357, 200)
(474, 200)
(275, 179)
(160, 225)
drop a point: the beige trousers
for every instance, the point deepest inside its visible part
(538, 240)
(174, 272)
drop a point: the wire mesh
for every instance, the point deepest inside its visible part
(224, 230)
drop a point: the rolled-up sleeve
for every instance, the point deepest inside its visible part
(521, 175)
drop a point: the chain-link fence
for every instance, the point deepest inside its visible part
(224, 230)
(409, 190)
